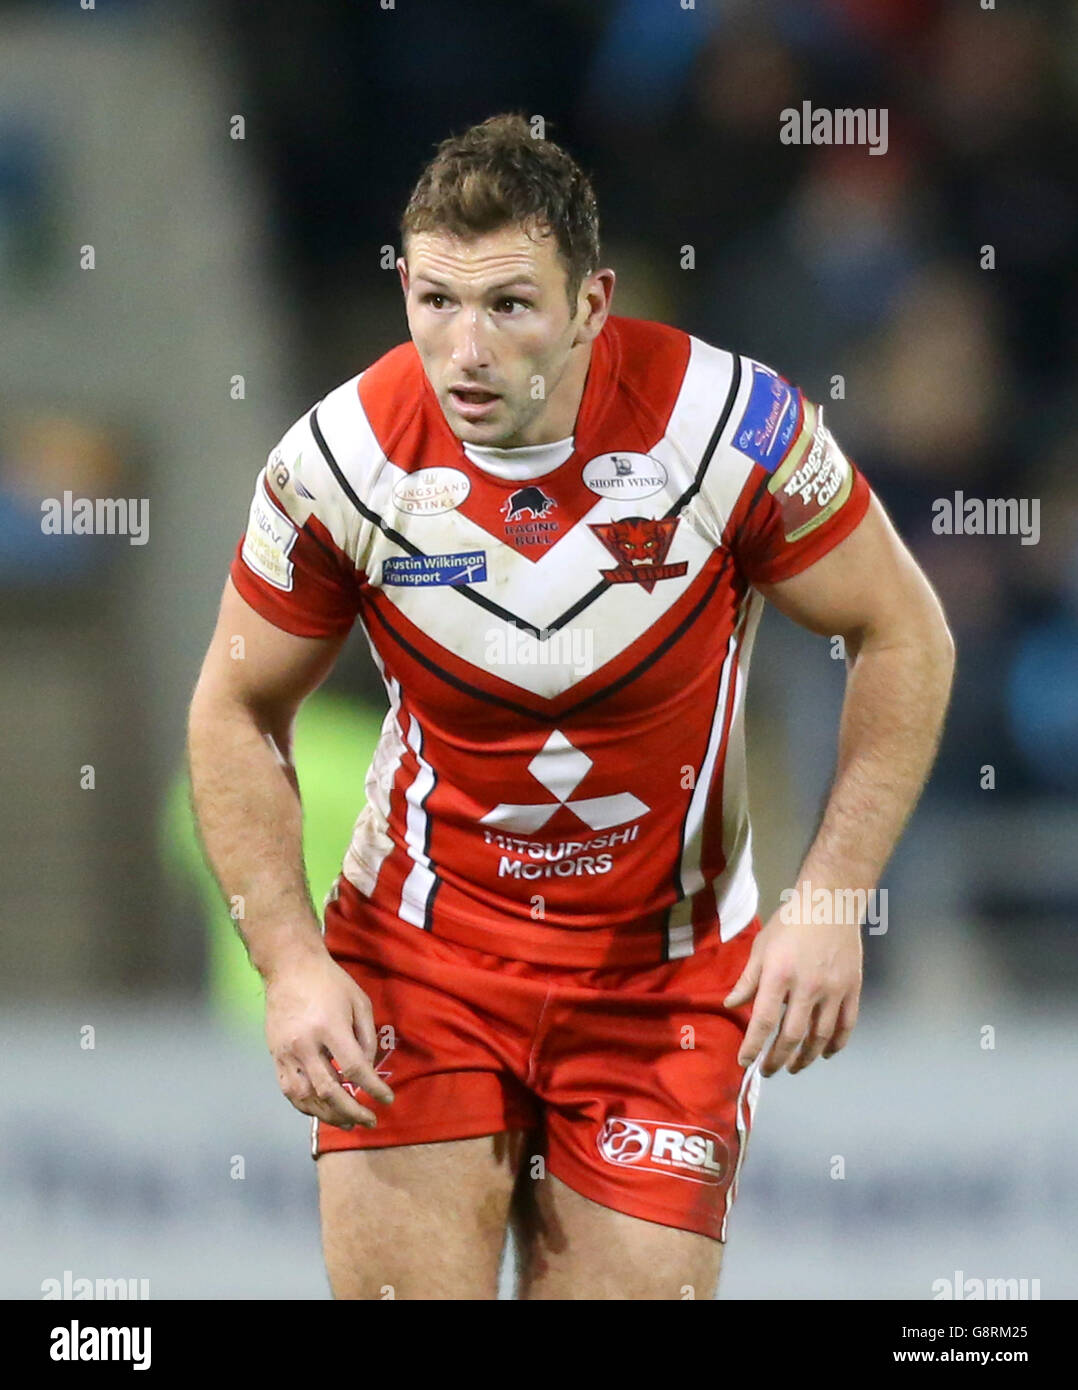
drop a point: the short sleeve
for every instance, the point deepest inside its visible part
(295, 564)
(802, 495)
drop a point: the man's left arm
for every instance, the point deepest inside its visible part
(900, 662)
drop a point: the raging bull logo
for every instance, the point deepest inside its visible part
(640, 546)
(527, 501)
(527, 518)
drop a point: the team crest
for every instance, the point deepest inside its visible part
(640, 545)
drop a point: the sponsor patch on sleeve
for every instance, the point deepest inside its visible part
(269, 541)
(418, 571)
(770, 419)
(814, 480)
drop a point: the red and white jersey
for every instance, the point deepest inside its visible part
(564, 633)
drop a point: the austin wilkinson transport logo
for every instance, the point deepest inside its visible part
(639, 544)
(679, 1151)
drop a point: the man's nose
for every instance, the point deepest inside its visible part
(470, 349)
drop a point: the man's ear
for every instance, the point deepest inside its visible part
(599, 293)
(402, 270)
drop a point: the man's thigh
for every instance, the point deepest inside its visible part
(419, 1220)
(573, 1248)
(647, 1114)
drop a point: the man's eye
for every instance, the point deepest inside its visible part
(436, 301)
(509, 303)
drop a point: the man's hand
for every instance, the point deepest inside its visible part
(316, 1015)
(815, 970)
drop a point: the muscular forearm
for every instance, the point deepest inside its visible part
(897, 690)
(247, 805)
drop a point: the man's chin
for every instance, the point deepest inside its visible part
(491, 432)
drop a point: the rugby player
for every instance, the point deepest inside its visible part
(542, 993)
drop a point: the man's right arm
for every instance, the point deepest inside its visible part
(246, 797)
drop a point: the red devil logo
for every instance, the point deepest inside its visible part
(639, 545)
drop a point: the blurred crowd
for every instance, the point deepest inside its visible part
(926, 295)
(958, 365)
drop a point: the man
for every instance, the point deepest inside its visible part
(558, 529)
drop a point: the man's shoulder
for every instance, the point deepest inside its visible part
(735, 418)
(398, 369)
(638, 339)
(329, 456)
(644, 346)
(356, 418)
(760, 409)
(653, 354)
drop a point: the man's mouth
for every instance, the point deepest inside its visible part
(472, 401)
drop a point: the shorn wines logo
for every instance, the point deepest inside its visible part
(679, 1151)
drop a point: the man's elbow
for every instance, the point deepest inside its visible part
(204, 722)
(932, 645)
(948, 650)
(936, 638)
(920, 629)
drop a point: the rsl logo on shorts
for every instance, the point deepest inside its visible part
(679, 1151)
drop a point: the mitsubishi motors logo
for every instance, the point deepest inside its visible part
(560, 768)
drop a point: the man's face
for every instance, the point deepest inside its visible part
(490, 319)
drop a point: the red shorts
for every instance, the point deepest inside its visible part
(629, 1074)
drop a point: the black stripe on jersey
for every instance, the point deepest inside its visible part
(760, 491)
(663, 647)
(428, 904)
(738, 633)
(465, 590)
(428, 914)
(349, 491)
(334, 556)
(762, 488)
(713, 443)
(428, 908)
(373, 610)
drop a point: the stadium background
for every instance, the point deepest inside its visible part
(164, 1151)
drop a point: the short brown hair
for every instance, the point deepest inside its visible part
(498, 174)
